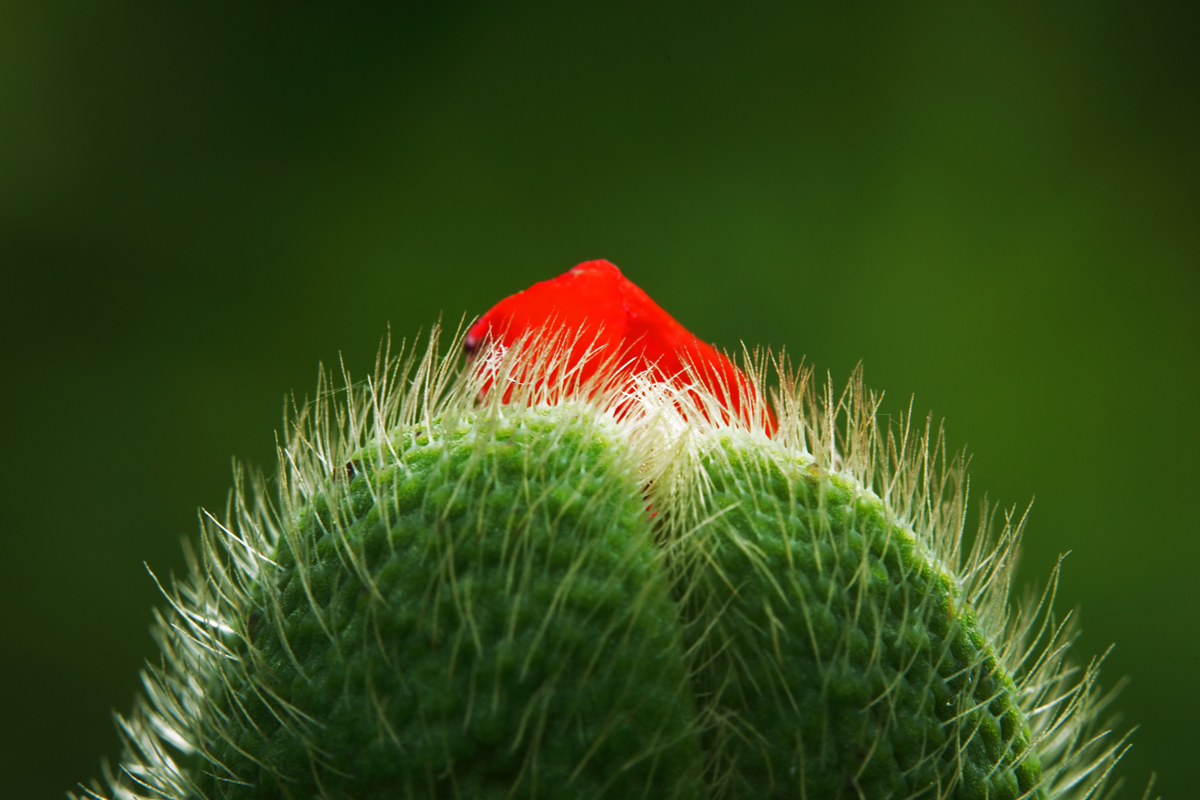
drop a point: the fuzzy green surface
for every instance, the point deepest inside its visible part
(481, 609)
(838, 661)
(481, 613)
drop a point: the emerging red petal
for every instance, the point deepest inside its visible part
(599, 308)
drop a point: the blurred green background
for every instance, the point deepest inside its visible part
(992, 206)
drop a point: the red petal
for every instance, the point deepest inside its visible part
(597, 302)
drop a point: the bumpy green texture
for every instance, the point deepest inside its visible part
(837, 662)
(474, 612)
(484, 608)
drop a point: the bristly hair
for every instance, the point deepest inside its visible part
(669, 428)
(923, 489)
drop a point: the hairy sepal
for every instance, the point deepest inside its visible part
(742, 509)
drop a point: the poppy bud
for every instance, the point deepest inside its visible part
(459, 592)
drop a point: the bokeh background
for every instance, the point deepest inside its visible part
(991, 205)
